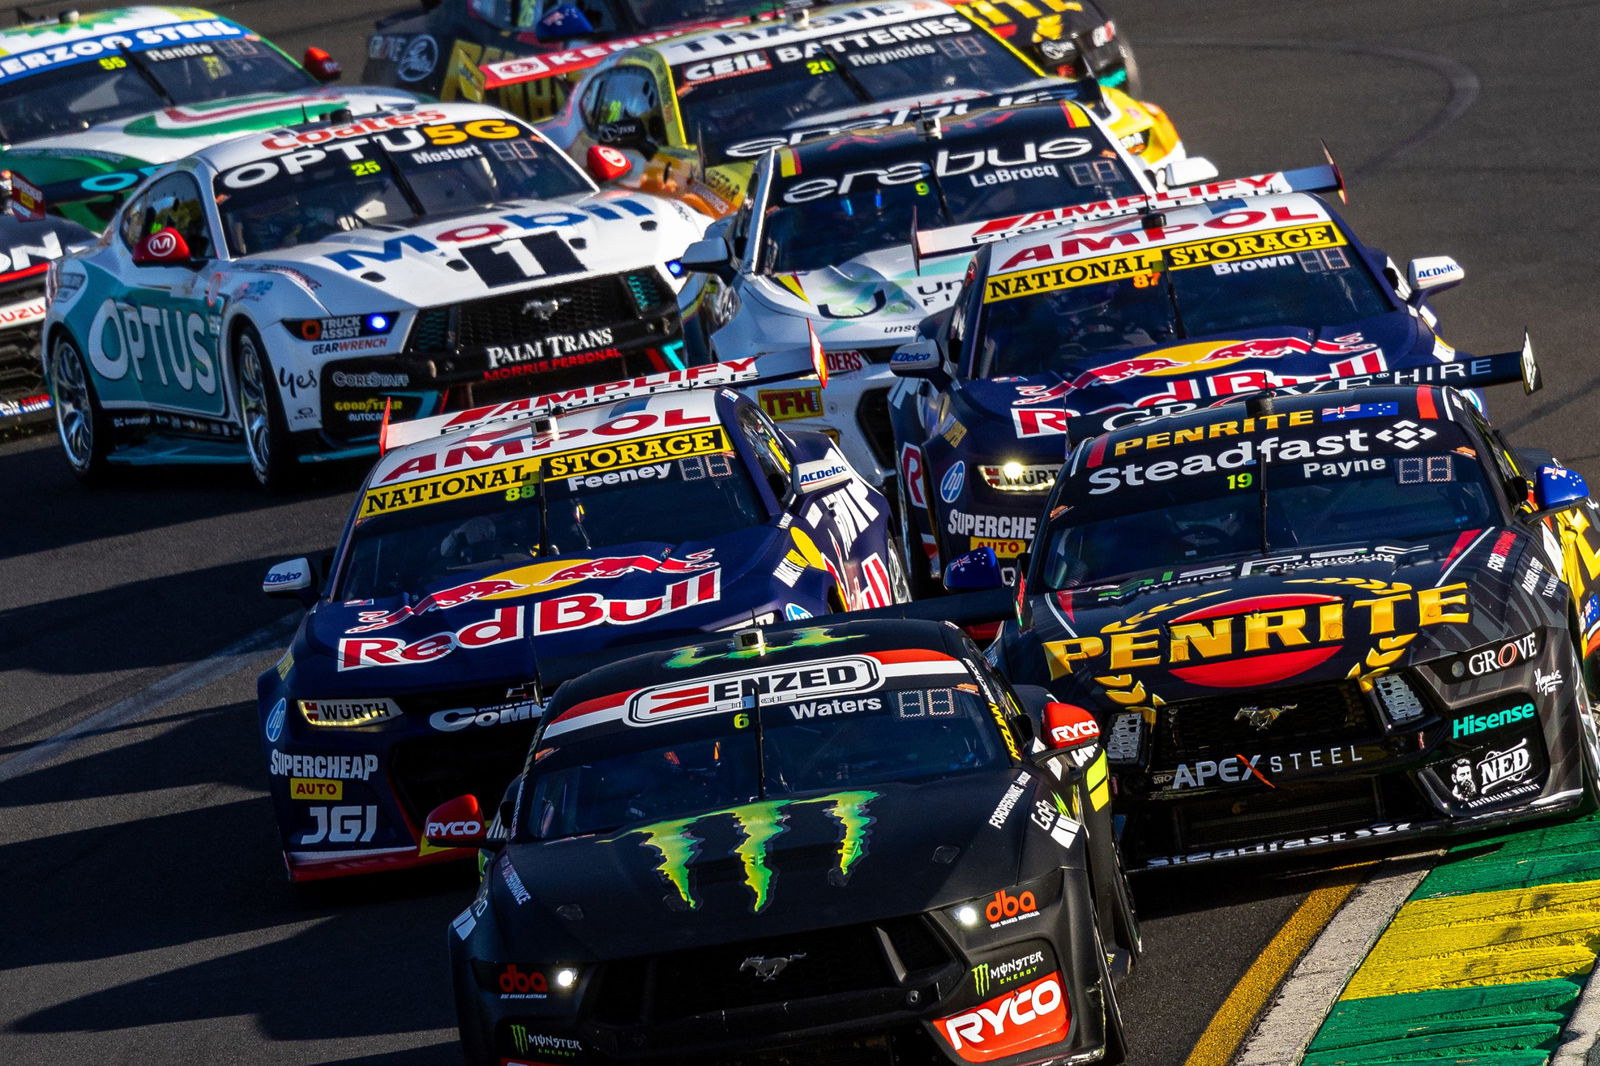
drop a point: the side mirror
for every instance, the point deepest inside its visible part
(294, 579)
(1190, 171)
(709, 256)
(624, 133)
(456, 823)
(1434, 273)
(974, 571)
(920, 359)
(320, 65)
(563, 22)
(1557, 485)
(605, 163)
(1069, 728)
(165, 247)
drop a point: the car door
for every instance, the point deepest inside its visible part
(153, 341)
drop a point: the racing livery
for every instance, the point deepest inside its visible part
(1199, 294)
(26, 250)
(274, 299)
(1310, 621)
(1068, 38)
(825, 244)
(486, 546)
(725, 853)
(689, 116)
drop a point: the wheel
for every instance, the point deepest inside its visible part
(920, 585)
(1130, 64)
(899, 581)
(85, 432)
(266, 439)
(1116, 1037)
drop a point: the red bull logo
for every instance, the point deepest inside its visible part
(442, 600)
(620, 565)
(1124, 369)
(1278, 347)
(1260, 348)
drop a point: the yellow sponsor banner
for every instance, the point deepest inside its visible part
(315, 788)
(1149, 261)
(1003, 549)
(503, 476)
(641, 452)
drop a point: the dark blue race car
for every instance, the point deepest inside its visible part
(486, 547)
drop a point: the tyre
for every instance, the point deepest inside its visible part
(899, 580)
(920, 584)
(84, 429)
(266, 438)
(1133, 86)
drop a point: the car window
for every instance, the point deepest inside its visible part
(629, 93)
(769, 450)
(173, 201)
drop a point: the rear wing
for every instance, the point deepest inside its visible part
(969, 235)
(1477, 371)
(775, 366)
(554, 64)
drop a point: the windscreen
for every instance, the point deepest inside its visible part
(123, 83)
(390, 178)
(1065, 318)
(731, 99)
(821, 216)
(760, 747)
(1351, 473)
(694, 498)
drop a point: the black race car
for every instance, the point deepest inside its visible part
(27, 248)
(815, 841)
(1311, 621)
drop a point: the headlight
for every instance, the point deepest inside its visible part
(525, 981)
(1013, 908)
(348, 712)
(1013, 476)
(342, 328)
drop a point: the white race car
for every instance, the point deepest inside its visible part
(274, 299)
(826, 243)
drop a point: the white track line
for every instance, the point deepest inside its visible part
(191, 678)
(1303, 1002)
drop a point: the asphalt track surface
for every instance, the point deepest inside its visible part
(143, 914)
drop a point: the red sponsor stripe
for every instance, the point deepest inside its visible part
(599, 703)
(1258, 603)
(1460, 545)
(25, 272)
(1098, 451)
(1064, 599)
(1248, 673)
(1425, 405)
(909, 655)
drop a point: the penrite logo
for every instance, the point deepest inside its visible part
(758, 824)
(1261, 640)
(1030, 1017)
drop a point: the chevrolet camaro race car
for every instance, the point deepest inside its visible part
(836, 843)
(1311, 621)
(500, 540)
(274, 298)
(825, 242)
(689, 116)
(1202, 293)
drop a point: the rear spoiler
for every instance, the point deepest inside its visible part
(1477, 371)
(776, 366)
(968, 235)
(962, 608)
(554, 64)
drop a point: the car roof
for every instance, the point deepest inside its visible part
(896, 648)
(35, 46)
(402, 476)
(1219, 220)
(821, 22)
(269, 144)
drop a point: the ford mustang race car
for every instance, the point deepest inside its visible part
(835, 843)
(270, 299)
(689, 116)
(442, 49)
(1200, 295)
(825, 242)
(1311, 621)
(1068, 38)
(486, 545)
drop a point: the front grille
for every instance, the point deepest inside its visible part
(851, 964)
(1289, 812)
(580, 305)
(873, 417)
(1222, 725)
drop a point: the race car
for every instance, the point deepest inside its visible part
(271, 300)
(486, 546)
(824, 245)
(1310, 621)
(830, 843)
(689, 116)
(1194, 295)
(1068, 38)
(26, 250)
(441, 49)
(90, 104)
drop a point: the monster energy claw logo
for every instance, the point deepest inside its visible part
(758, 824)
